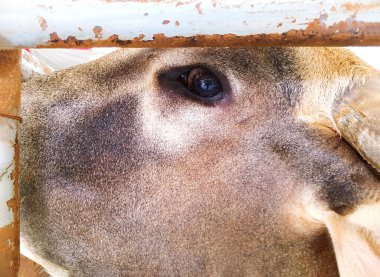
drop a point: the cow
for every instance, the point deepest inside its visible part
(204, 162)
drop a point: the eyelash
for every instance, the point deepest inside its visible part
(213, 87)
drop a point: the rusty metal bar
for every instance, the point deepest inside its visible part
(177, 23)
(10, 82)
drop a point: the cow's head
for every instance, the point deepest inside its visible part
(202, 162)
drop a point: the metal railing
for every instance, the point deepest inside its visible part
(163, 23)
(176, 23)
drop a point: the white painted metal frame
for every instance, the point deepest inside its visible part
(165, 23)
(31, 23)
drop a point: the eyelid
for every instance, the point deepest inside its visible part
(169, 78)
(174, 75)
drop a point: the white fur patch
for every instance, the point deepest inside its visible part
(357, 248)
(171, 134)
(355, 237)
(367, 216)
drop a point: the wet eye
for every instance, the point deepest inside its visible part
(201, 83)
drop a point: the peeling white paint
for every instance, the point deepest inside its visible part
(8, 132)
(21, 21)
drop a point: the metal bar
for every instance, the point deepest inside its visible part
(184, 23)
(29, 268)
(10, 82)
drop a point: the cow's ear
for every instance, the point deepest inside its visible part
(356, 116)
(356, 236)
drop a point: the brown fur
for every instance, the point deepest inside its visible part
(125, 176)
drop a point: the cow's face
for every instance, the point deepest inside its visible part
(189, 162)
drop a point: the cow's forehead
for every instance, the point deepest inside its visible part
(241, 59)
(245, 69)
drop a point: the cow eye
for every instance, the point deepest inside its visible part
(201, 83)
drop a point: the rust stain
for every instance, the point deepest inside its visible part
(54, 37)
(317, 33)
(198, 7)
(114, 38)
(29, 268)
(98, 31)
(43, 23)
(165, 22)
(10, 82)
(177, 23)
(140, 37)
(9, 263)
(355, 7)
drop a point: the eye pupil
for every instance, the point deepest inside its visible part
(206, 86)
(202, 83)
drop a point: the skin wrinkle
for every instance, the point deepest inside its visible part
(123, 175)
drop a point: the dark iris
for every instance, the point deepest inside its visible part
(201, 83)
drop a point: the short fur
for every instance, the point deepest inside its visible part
(122, 175)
